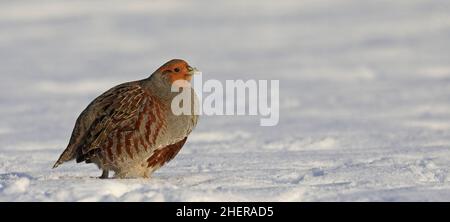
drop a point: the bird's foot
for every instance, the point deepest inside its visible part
(104, 174)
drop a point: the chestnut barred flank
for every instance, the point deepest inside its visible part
(130, 129)
(161, 156)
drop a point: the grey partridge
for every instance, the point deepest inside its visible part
(131, 129)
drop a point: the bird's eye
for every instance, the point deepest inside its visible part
(177, 69)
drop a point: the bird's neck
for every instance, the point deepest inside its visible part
(159, 88)
(162, 90)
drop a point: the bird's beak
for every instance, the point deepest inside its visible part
(193, 71)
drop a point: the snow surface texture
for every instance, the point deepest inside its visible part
(365, 97)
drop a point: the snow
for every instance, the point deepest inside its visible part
(364, 98)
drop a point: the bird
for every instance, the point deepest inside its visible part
(130, 129)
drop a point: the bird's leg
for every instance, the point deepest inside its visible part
(104, 174)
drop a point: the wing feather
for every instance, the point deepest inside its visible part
(119, 123)
(108, 110)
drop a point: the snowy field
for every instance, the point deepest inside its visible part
(364, 98)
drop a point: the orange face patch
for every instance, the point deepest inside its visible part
(176, 70)
(180, 78)
(182, 75)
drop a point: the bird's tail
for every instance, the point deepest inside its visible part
(67, 155)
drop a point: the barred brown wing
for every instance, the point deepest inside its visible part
(127, 126)
(87, 118)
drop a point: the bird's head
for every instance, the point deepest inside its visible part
(176, 69)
